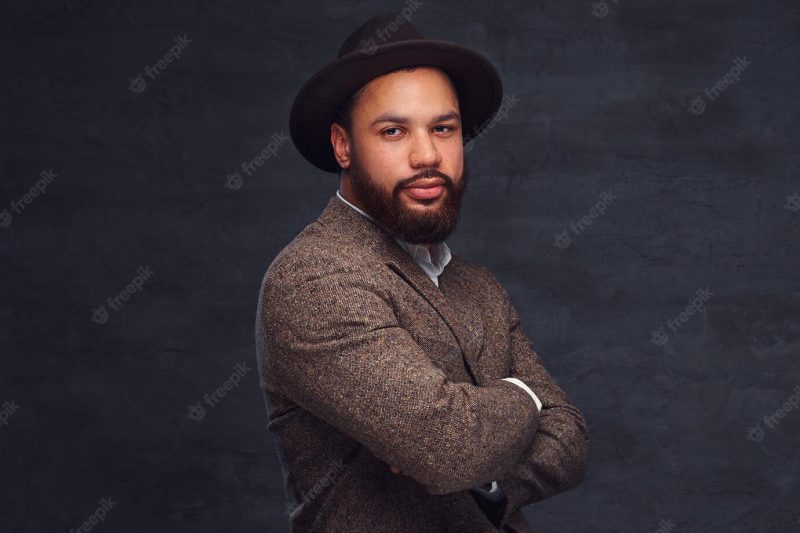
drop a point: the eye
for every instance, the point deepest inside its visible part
(445, 128)
(387, 130)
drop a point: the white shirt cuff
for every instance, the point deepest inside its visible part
(515, 381)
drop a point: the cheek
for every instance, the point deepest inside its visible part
(384, 164)
(453, 147)
(389, 161)
(453, 157)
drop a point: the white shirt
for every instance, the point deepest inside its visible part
(433, 268)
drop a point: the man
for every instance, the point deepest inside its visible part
(401, 390)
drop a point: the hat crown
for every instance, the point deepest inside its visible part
(378, 31)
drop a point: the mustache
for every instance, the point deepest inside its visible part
(429, 173)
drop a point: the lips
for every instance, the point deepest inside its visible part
(426, 189)
(424, 183)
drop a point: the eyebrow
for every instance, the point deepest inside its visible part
(388, 117)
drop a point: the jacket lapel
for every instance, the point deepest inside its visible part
(407, 269)
(367, 233)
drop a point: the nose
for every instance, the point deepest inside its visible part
(424, 152)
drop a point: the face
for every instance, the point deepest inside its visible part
(403, 156)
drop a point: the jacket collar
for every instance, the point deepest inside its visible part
(367, 233)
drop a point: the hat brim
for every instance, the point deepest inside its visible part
(477, 83)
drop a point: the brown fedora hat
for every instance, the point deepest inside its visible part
(382, 44)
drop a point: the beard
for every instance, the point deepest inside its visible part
(389, 209)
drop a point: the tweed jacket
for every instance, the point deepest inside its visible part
(364, 363)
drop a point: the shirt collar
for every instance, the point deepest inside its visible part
(418, 252)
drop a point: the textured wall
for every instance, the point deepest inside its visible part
(130, 279)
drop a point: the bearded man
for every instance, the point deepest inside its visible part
(401, 390)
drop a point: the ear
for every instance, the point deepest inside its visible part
(341, 145)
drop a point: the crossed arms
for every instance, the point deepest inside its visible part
(336, 349)
(556, 459)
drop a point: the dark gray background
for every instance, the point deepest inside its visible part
(706, 200)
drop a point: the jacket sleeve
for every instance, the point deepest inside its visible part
(556, 458)
(333, 346)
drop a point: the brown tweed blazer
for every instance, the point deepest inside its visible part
(365, 363)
